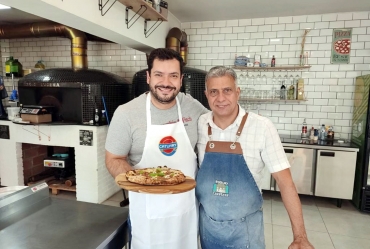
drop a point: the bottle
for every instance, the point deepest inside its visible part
(96, 117)
(273, 61)
(8, 65)
(282, 90)
(322, 132)
(156, 5)
(103, 118)
(316, 135)
(312, 133)
(40, 65)
(291, 91)
(330, 135)
(300, 89)
(16, 68)
(304, 129)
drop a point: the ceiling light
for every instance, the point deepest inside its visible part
(4, 7)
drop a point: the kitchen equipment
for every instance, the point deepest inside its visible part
(13, 112)
(156, 5)
(257, 60)
(334, 174)
(10, 190)
(193, 83)
(241, 60)
(74, 94)
(62, 163)
(266, 179)
(361, 137)
(188, 185)
(302, 169)
(59, 223)
(14, 94)
(36, 114)
(164, 9)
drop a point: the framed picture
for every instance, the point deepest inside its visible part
(86, 137)
(4, 131)
(341, 46)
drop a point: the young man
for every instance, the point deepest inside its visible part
(233, 148)
(163, 115)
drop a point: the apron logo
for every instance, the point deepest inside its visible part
(168, 146)
(221, 188)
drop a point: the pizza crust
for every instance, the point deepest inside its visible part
(156, 176)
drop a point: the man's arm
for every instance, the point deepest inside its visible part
(116, 164)
(293, 206)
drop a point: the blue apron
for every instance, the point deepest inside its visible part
(230, 212)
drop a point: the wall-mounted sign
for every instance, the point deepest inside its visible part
(341, 46)
(86, 137)
(4, 131)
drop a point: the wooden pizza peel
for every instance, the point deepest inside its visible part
(188, 185)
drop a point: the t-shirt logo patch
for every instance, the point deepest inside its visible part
(168, 146)
(221, 188)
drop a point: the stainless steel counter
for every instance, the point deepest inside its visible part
(298, 142)
(37, 221)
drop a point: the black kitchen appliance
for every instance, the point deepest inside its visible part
(361, 138)
(63, 165)
(74, 94)
(60, 162)
(193, 83)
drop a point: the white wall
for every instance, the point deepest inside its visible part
(86, 16)
(329, 87)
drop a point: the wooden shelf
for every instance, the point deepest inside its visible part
(150, 13)
(273, 100)
(285, 68)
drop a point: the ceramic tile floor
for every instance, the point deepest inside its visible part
(328, 227)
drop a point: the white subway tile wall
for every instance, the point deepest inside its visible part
(55, 52)
(328, 87)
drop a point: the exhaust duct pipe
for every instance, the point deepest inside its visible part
(177, 40)
(51, 29)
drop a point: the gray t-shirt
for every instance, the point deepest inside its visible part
(127, 130)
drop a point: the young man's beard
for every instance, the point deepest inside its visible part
(164, 100)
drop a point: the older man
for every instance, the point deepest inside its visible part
(234, 147)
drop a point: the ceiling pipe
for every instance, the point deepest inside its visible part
(177, 40)
(51, 29)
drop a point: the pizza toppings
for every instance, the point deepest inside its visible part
(156, 176)
(342, 46)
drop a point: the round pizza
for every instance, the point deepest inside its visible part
(156, 176)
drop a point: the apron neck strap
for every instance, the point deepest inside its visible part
(148, 114)
(239, 130)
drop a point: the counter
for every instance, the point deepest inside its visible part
(320, 168)
(32, 219)
(298, 142)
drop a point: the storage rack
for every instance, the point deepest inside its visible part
(141, 9)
